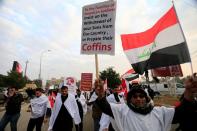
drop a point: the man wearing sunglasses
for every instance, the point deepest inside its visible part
(139, 114)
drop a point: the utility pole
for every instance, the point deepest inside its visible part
(26, 68)
(42, 53)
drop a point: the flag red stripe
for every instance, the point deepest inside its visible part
(130, 41)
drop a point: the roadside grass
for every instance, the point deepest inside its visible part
(166, 100)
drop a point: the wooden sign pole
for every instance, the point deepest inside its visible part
(97, 69)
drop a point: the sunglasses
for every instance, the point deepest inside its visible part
(11, 90)
(140, 96)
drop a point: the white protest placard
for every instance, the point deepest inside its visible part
(98, 28)
(70, 82)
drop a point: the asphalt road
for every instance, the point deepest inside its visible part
(24, 119)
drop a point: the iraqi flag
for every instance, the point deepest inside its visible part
(130, 75)
(162, 45)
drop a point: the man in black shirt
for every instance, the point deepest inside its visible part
(13, 108)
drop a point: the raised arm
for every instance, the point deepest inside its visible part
(104, 106)
(188, 104)
(101, 100)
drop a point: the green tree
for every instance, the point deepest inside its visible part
(48, 84)
(2, 81)
(113, 78)
(38, 83)
(15, 79)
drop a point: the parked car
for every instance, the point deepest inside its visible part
(3, 91)
(24, 94)
(163, 88)
(180, 88)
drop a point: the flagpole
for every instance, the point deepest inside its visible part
(183, 36)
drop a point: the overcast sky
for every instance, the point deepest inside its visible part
(30, 27)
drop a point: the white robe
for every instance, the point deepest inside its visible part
(159, 119)
(70, 104)
(82, 100)
(39, 106)
(93, 97)
(105, 119)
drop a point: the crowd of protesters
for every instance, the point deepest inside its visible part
(110, 111)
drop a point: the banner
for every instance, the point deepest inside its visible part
(98, 28)
(86, 81)
(172, 71)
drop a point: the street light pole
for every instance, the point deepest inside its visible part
(26, 67)
(39, 76)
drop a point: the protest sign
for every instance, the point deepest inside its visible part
(70, 82)
(86, 82)
(98, 28)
